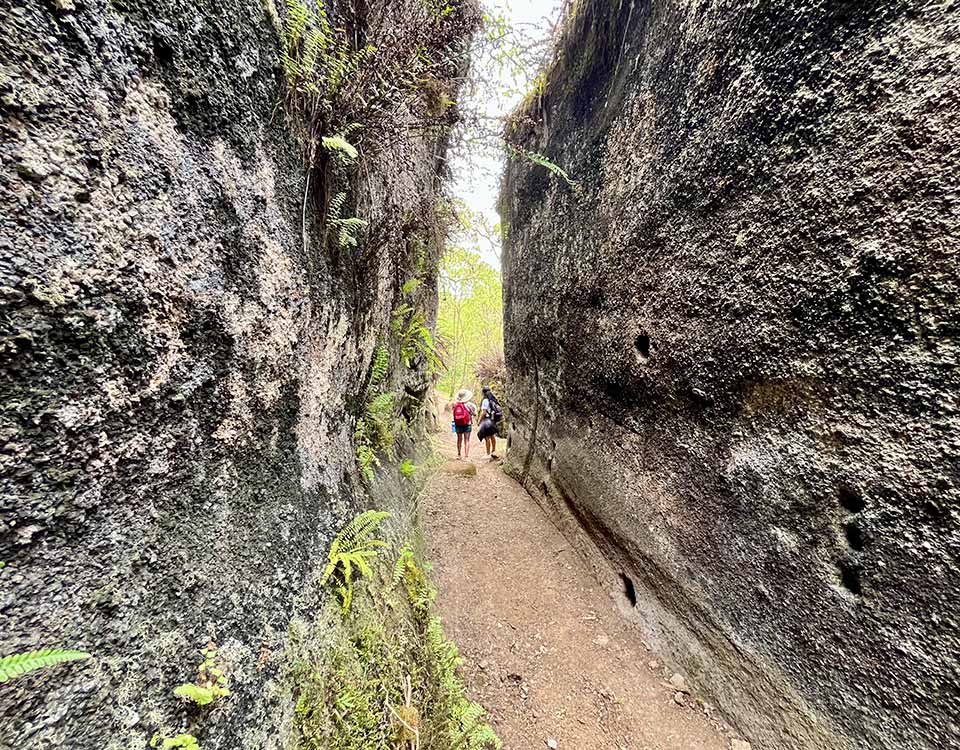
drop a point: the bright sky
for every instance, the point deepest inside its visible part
(478, 187)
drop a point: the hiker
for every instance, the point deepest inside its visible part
(491, 414)
(463, 417)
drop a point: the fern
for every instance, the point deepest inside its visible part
(336, 206)
(366, 460)
(379, 366)
(347, 237)
(180, 742)
(347, 229)
(410, 287)
(341, 145)
(352, 549)
(404, 561)
(467, 727)
(407, 468)
(16, 665)
(211, 681)
(542, 161)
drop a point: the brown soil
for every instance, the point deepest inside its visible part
(545, 650)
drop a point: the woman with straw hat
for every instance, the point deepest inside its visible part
(464, 410)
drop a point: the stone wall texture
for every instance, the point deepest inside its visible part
(733, 348)
(179, 377)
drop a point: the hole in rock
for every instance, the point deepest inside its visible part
(854, 536)
(629, 590)
(850, 499)
(850, 577)
(163, 51)
(550, 464)
(642, 342)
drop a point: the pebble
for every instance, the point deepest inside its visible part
(679, 699)
(678, 682)
(552, 744)
(740, 745)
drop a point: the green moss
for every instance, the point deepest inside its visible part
(387, 660)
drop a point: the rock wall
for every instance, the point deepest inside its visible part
(180, 379)
(733, 348)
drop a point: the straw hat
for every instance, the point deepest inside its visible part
(464, 395)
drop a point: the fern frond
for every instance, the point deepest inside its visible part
(400, 567)
(382, 404)
(336, 206)
(19, 664)
(410, 286)
(340, 145)
(379, 366)
(542, 161)
(360, 527)
(351, 549)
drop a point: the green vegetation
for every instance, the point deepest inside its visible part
(16, 665)
(375, 433)
(211, 682)
(407, 469)
(470, 318)
(351, 550)
(180, 742)
(385, 676)
(339, 144)
(409, 328)
(516, 152)
(349, 73)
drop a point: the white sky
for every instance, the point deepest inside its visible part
(478, 187)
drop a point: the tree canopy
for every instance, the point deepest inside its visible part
(470, 319)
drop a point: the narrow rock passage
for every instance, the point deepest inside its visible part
(546, 651)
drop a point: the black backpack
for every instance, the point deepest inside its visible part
(495, 409)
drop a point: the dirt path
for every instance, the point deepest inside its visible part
(546, 651)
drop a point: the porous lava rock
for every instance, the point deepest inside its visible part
(182, 364)
(732, 348)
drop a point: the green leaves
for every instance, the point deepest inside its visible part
(199, 695)
(340, 145)
(542, 161)
(407, 468)
(375, 432)
(211, 682)
(410, 287)
(470, 315)
(416, 340)
(351, 550)
(379, 366)
(347, 228)
(19, 664)
(180, 742)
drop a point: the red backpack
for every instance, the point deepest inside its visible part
(461, 414)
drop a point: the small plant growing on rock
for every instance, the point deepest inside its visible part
(516, 152)
(407, 469)
(410, 328)
(16, 665)
(419, 592)
(179, 742)
(347, 229)
(352, 549)
(211, 682)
